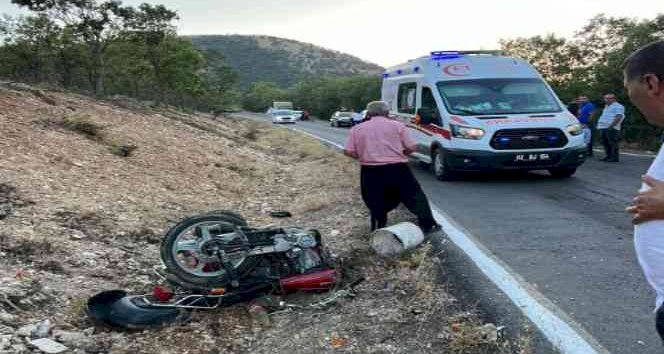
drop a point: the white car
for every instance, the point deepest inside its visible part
(359, 117)
(342, 119)
(283, 116)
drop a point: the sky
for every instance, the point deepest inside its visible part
(388, 32)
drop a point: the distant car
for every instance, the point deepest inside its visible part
(359, 117)
(284, 116)
(342, 119)
(298, 114)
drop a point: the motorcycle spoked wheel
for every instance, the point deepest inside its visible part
(189, 264)
(237, 218)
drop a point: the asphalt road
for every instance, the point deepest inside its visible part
(570, 238)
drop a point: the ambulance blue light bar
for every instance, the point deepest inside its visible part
(444, 55)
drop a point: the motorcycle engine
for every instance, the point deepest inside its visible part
(305, 252)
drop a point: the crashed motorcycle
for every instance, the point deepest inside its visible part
(216, 259)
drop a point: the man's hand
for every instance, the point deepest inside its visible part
(350, 154)
(648, 205)
(618, 118)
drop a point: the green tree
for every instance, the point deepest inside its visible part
(260, 96)
(99, 24)
(151, 26)
(590, 63)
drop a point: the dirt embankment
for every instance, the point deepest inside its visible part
(87, 188)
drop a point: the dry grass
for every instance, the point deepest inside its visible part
(75, 311)
(316, 202)
(83, 124)
(121, 149)
(28, 248)
(253, 133)
(295, 144)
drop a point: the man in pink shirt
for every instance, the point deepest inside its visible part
(382, 146)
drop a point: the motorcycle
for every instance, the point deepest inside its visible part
(215, 260)
(219, 250)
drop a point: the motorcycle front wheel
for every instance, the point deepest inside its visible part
(187, 251)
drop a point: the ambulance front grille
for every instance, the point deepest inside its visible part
(522, 139)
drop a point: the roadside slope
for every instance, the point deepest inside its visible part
(87, 188)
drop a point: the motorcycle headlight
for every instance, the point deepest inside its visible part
(459, 131)
(575, 129)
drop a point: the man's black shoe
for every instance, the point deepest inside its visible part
(659, 322)
(432, 229)
(429, 232)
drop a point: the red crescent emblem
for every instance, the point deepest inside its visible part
(457, 70)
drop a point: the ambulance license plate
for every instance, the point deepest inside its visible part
(532, 157)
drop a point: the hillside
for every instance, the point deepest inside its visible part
(88, 188)
(284, 61)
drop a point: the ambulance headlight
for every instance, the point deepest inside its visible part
(462, 132)
(575, 129)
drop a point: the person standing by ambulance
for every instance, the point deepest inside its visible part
(382, 146)
(609, 124)
(586, 109)
(644, 80)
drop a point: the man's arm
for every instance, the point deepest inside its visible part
(618, 118)
(349, 149)
(409, 145)
(648, 205)
(350, 153)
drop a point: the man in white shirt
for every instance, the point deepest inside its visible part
(644, 80)
(609, 127)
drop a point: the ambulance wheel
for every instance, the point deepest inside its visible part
(440, 167)
(562, 172)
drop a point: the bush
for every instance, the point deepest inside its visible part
(123, 150)
(83, 125)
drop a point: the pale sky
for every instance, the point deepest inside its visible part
(388, 32)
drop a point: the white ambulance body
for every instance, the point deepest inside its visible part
(477, 111)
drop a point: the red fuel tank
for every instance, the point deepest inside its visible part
(315, 281)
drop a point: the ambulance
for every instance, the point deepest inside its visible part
(479, 111)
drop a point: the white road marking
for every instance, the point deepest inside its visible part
(630, 153)
(563, 333)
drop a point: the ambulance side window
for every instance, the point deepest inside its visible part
(429, 102)
(406, 98)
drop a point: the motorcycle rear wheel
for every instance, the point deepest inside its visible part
(195, 278)
(238, 219)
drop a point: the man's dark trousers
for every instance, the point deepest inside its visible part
(385, 186)
(610, 139)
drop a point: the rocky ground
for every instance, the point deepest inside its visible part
(88, 188)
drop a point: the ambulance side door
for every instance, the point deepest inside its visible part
(407, 96)
(427, 100)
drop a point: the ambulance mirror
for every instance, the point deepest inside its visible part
(427, 115)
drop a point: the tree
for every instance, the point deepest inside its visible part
(590, 63)
(219, 81)
(34, 43)
(151, 25)
(323, 96)
(96, 24)
(260, 96)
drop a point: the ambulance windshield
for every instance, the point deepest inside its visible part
(479, 97)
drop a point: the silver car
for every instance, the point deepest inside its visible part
(284, 116)
(341, 119)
